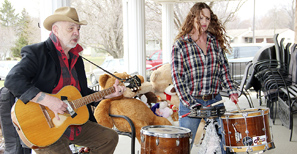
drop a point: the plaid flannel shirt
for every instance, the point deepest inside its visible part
(194, 73)
(68, 77)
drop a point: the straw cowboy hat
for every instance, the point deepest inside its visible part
(63, 14)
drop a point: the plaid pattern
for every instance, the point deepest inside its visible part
(68, 77)
(194, 73)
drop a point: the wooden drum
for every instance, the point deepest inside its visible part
(247, 131)
(164, 139)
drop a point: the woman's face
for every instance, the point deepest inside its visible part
(204, 20)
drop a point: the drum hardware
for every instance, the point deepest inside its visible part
(266, 147)
(198, 111)
(207, 112)
(245, 114)
(142, 138)
(157, 141)
(238, 135)
(177, 142)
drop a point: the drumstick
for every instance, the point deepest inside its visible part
(216, 103)
(239, 110)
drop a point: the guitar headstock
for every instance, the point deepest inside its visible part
(133, 83)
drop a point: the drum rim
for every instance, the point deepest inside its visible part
(243, 148)
(144, 131)
(255, 110)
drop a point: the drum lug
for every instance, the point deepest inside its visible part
(249, 149)
(247, 132)
(142, 138)
(157, 141)
(177, 142)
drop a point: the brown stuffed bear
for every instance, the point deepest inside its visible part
(160, 80)
(125, 105)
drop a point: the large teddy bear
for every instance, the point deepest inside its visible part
(126, 105)
(163, 86)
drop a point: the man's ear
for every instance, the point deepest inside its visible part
(55, 29)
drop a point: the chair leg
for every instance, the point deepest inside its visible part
(291, 125)
(259, 97)
(249, 101)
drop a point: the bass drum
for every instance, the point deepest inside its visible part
(164, 139)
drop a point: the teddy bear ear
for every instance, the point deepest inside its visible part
(154, 75)
(102, 80)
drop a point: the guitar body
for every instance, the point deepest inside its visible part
(33, 127)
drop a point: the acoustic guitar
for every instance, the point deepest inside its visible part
(37, 125)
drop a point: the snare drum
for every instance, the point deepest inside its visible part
(247, 131)
(164, 139)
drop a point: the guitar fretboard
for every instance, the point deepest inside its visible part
(93, 97)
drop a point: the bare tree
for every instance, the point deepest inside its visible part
(7, 38)
(276, 19)
(104, 31)
(105, 25)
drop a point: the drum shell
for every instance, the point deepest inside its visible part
(256, 123)
(166, 143)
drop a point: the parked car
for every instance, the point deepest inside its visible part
(110, 64)
(240, 56)
(154, 59)
(5, 67)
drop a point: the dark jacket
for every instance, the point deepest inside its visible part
(39, 71)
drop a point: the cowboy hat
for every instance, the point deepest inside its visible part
(63, 14)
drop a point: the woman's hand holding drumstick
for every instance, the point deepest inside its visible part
(234, 98)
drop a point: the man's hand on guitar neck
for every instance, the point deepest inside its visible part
(53, 103)
(119, 90)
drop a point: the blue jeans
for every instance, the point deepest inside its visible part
(193, 123)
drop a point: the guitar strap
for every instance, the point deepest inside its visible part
(102, 68)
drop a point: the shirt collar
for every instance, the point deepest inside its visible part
(187, 37)
(76, 50)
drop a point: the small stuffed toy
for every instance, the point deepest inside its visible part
(169, 92)
(161, 109)
(148, 98)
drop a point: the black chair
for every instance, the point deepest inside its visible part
(129, 134)
(240, 87)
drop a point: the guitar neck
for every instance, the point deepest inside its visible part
(93, 97)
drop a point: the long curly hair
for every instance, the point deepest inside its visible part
(215, 27)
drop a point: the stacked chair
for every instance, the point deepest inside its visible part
(275, 74)
(287, 105)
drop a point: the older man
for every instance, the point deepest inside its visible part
(48, 67)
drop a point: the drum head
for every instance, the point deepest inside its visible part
(166, 131)
(248, 112)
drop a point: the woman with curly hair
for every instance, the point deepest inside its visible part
(199, 67)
